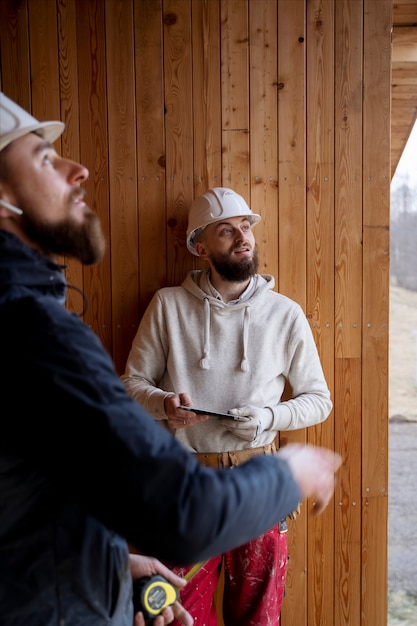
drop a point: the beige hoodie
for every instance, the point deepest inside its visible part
(226, 356)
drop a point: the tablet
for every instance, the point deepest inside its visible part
(240, 418)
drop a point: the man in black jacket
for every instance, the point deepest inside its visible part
(84, 470)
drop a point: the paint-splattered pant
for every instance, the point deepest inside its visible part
(254, 583)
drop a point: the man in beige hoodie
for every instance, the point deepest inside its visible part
(225, 342)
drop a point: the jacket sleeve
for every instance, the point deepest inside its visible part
(75, 423)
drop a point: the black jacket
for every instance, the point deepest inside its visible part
(83, 468)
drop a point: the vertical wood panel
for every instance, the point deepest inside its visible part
(292, 139)
(179, 135)
(14, 48)
(207, 117)
(235, 64)
(235, 96)
(348, 306)
(94, 154)
(151, 156)
(376, 181)
(375, 417)
(263, 121)
(320, 274)
(122, 175)
(348, 191)
(292, 263)
(374, 598)
(70, 144)
(348, 495)
(376, 122)
(44, 60)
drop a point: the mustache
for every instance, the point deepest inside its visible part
(242, 246)
(77, 194)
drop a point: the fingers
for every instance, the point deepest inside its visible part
(182, 615)
(245, 430)
(141, 565)
(139, 619)
(323, 499)
(181, 418)
(314, 470)
(171, 577)
(167, 616)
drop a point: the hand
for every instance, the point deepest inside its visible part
(167, 616)
(260, 420)
(314, 470)
(139, 566)
(178, 418)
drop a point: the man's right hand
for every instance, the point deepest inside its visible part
(167, 616)
(314, 471)
(178, 418)
(141, 565)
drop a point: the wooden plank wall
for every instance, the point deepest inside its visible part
(288, 102)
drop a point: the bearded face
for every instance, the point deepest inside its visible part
(47, 189)
(234, 270)
(68, 237)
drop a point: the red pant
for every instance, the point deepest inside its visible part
(253, 587)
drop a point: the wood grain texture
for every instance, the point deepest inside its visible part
(235, 96)
(121, 112)
(348, 181)
(288, 102)
(320, 272)
(94, 153)
(207, 108)
(207, 117)
(348, 494)
(179, 133)
(15, 53)
(292, 264)
(70, 144)
(291, 94)
(263, 124)
(150, 129)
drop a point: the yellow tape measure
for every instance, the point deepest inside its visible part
(151, 594)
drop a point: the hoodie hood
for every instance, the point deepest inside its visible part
(197, 283)
(23, 271)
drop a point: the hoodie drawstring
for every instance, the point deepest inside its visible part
(205, 360)
(244, 365)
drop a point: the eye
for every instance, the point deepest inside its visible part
(246, 227)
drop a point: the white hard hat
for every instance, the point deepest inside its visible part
(16, 122)
(214, 205)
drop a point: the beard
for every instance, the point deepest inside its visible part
(235, 271)
(83, 241)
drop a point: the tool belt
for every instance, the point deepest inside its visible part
(223, 460)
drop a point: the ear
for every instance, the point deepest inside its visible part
(201, 250)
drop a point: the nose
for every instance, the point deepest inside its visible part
(78, 172)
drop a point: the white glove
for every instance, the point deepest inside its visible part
(259, 420)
